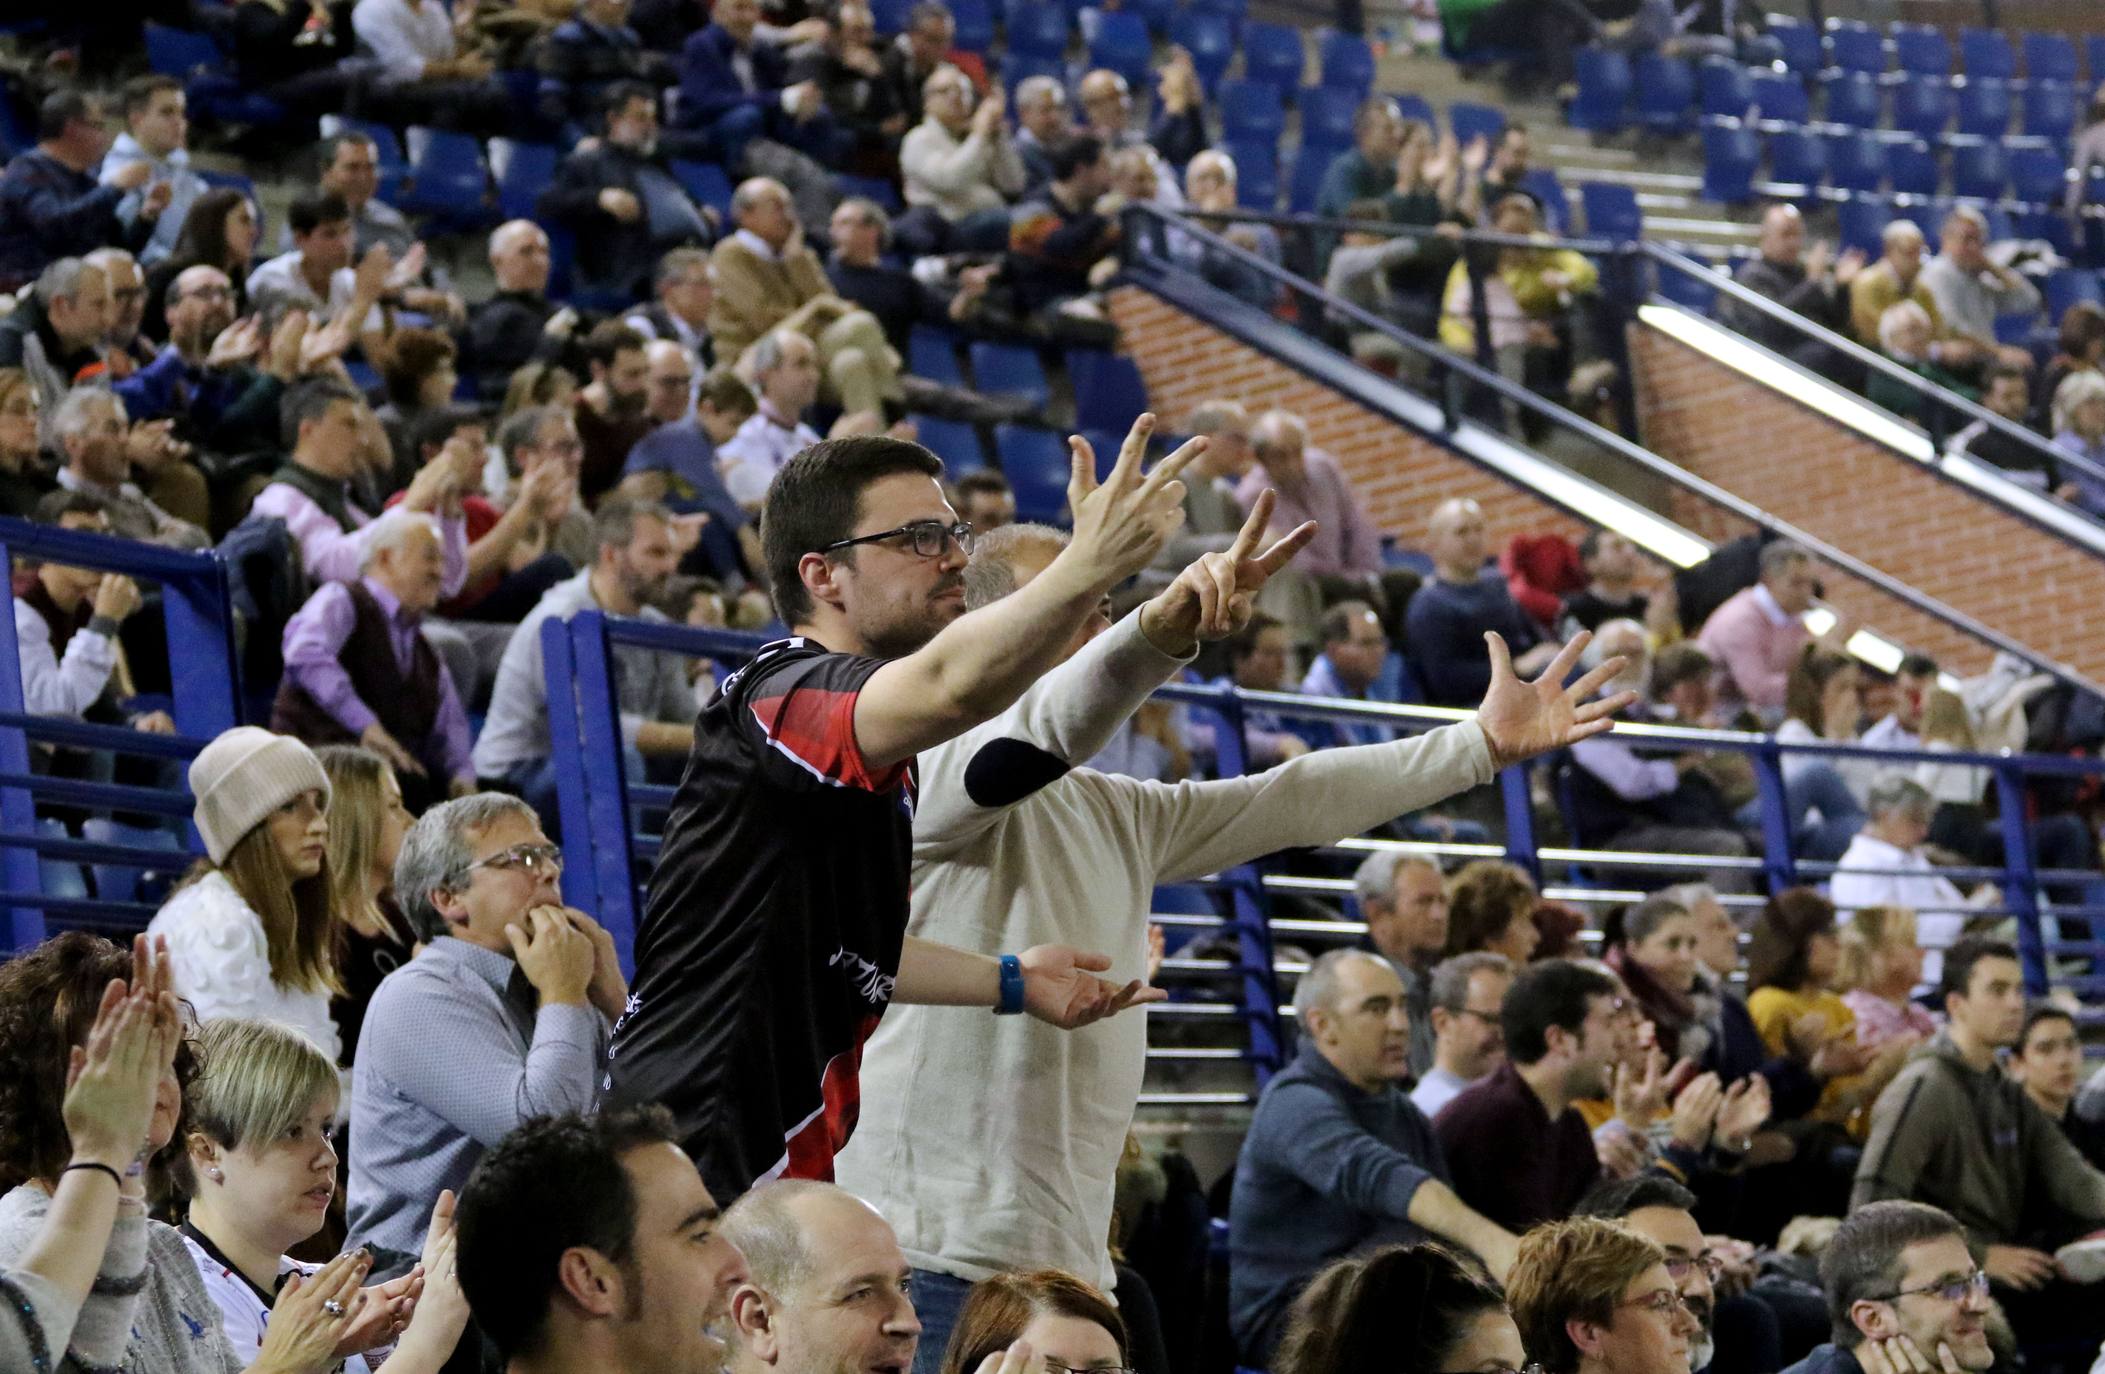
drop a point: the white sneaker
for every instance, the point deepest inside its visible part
(2083, 1260)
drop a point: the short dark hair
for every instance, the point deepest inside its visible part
(1339, 619)
(618, 94)
(433, 430)
(140, 91)
(614, 523)
(1960, 959)
(925, 10)
(414, 353)
(54, 506)
(310, 400)
(331, 144)
(608, 340)
(554, 1184)
(1998, 372)
(985, 482)
(1618, 1198)
(1243, 642)
(1679, 663)
(1918, 665)
(60, 109)
(1554, 992)
(311, 211)
(817, 498)
(1071, 155)
(2036, 1013)
(1863, 1260)
(725, 391)
(1425, 1294)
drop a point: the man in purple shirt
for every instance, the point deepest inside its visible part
(1345, 556)
(357, 669)
(329, 424)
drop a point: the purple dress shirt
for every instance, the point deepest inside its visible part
(1346, 542)
(314, 641)
(334, 556)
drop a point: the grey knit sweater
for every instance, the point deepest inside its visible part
(148, 1310)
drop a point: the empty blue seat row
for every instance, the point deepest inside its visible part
(1858, 161)
(1921, 50)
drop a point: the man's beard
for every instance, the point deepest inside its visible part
(905, 635)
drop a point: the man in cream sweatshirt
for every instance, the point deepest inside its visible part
(990, 1144)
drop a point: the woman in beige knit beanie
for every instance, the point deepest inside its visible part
(251, 932)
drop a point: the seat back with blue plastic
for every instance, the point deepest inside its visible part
(1984, 106)
(1469, 120)
(1210, 39)
(706, 182)
(1251, 110)
(1542, 183)
(1666, 94)
(1731, 153)
(953, 441)
(1920, 50)
(1346, 61)
(1108, 391)
(1326, 115)
(1979, 169)
(1856, 160)
(1037, 30)
(931, 353)
(1913, 167)
(1601, 104)
(522, 171)
(1803, 53)
(1272, 54)
(975, 25)
(1852, 99)
(448, 180)
(1727, 88)
(1987, 52)
(1861, 222)
(1922, 105)
(2049, 109)
(1780, 96)
(1007, 369)
(1037, 464)
(2049, 57)
(1122, 44)
(1611, 211)
(2064, 288)
(1256, 174)
(1797, 157)
(1856, 47)
(2038, 175)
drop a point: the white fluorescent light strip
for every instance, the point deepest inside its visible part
(1824, 396)
(1882, 654)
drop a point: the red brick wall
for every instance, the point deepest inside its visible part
(1403, 476)
(1872, 503)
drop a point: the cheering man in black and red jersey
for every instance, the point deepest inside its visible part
(775, 935)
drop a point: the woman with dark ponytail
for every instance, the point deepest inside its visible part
(1406, 1309)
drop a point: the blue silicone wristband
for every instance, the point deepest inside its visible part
(1010, 1002)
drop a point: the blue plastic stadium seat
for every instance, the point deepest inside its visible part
(1666, 94)
(1234, 10)
(706, 182)
(1250, 111)
(1856, 160)
(1862, 221)
(1037, 465)
(1602, 104)
(1122, 44)
(1007, 369)
(1914, 169)
(447, 179)
(1311, 163)
(123, 882)
(1272, 54)
(1855, 46)
(1417, 107)
(890, 15)
(2049, 109)
(1727, 88)
(522, 171)
(2049, 57)
(2050, 226)
(2038, 174)
(1797, 157)
(1037, 30)
(1731, 153)
(1556, 206)
(932, 353)
(1781, 96)
(1800, 43)
(1979, 169)
(1326, 115)
(387, 151)
(885, 192)
(975, 25)
(1469, 120)
(1157, 14)
(1108, 391)
(1346, 61)
(1256, 174)
(1687, 290)
(1852, 99)
(1984, 106)
(1015, 70)
(953, 441)
(2094, 55)
(1922, 105)
(182, 53)
(1987, 52)
(2064, 288)
(1921, 50)
(1210, 39)
(1611, 211)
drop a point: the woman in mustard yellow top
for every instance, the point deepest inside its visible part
(1793, 957)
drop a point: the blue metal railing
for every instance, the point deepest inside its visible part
(201, 658)
(599, 811)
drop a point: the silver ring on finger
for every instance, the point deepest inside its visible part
(332, 1307)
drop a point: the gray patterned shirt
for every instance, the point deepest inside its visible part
(454, 1054)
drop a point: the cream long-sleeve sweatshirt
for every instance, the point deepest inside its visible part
(1010, 1130)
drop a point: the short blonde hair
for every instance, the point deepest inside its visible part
(1899, 316)
(1570, 1270)
(258, 1080)
(1871, 930)
(2075, 389)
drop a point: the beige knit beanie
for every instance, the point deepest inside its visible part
(243, 776)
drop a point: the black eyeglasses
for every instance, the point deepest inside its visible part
(1489, 1018)
(930, 538)
(1951, 1290)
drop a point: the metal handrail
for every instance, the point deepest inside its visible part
(1670, 258)
(1441, 358)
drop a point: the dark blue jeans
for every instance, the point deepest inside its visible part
(937, 1301)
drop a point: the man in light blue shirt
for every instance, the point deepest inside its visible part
(156, 130)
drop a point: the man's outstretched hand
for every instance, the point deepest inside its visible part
(1215, 596)
(1060, 987)
(1522, 719)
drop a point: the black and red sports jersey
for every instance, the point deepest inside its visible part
(777, 913)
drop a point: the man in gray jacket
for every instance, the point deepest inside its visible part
(1014, 841)
(1952, 1129)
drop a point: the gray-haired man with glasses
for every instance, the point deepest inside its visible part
(501, 1018)
(1904, 1296)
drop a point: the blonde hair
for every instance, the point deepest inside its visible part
(258, 1080)
(1873, 930)
(1572, 1270)
(1944, 719)
(2075, 389)
(358, 797)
